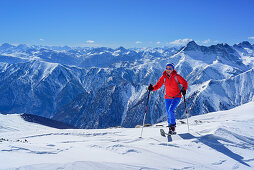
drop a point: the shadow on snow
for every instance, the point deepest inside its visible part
(213, 142)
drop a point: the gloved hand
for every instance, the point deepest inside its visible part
(150, 87)
(183, 91)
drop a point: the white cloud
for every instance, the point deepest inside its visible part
(90, 41)
(251, 38)
(138, 42)
(41, 39)
(216, 41)
(206, 41)
(89, 45)
(158, 42)
(180, 42)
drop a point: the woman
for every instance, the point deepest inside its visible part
(174, 85)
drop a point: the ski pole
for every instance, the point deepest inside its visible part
(187, 115)
(145, 114)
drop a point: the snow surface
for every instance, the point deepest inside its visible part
(219, 140)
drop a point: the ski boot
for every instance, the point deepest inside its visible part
(172, 129)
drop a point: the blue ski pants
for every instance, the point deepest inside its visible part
(171, 105)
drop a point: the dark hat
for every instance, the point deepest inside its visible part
(171, 65)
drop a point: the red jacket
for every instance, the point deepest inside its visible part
(171, 86)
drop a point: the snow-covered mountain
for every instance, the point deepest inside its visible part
(219, 140)
(215, 95)
(36, 87)
(80, 57)
(104, 87)
(246, 51)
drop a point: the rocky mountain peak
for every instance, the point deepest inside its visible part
(245, 44)
(192, 46)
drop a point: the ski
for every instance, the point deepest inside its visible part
(164, 134)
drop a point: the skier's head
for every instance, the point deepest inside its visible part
(170, 66)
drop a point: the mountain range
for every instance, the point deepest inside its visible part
(104, 87)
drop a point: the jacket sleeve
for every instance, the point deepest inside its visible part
(182, 81)
(159, 83)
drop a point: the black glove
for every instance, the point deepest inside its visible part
(183, 91)
(150, 87)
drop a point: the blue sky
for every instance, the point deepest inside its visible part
(128, 23)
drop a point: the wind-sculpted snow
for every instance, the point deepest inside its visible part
(104, 87)
(219, 140)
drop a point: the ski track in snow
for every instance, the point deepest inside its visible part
(220, 140)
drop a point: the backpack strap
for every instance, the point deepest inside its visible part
(179, 84)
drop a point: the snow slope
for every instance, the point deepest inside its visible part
(219, 140)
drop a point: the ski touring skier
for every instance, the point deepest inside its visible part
(175, 84)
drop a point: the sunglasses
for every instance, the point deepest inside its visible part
(170, 68)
